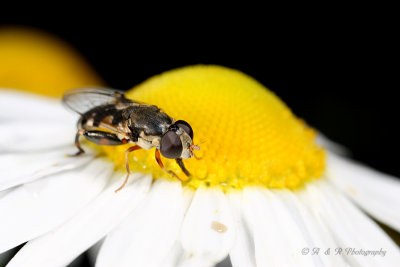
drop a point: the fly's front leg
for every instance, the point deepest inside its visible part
(129, 150)
(182, 166)
(97, 137)
(158, 159)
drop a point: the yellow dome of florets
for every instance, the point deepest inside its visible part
(248, 135)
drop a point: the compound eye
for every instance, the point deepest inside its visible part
(171, 145)
(186, 127)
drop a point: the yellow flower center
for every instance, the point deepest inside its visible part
(247, 135)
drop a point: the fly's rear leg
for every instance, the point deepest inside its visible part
(97, 137)
(106, 139)
(77, 144)
(129, 150)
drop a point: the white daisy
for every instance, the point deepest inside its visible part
(264, 193)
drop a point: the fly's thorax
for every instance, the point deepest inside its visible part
(148, 141)
(150, 120)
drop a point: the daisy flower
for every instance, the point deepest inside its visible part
(264, 193)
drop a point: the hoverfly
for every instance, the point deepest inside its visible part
(109, 118)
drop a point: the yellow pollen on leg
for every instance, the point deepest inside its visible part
(247, 135)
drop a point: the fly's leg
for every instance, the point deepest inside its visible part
(97, 137)
(77, 144)
(196, 157)
(132, 148)
(103, 138)
(158, 159)
(182, 166)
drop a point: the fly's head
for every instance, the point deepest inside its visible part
(177, 141)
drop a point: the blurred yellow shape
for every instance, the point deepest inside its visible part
(38, 62)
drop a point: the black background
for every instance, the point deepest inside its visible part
(340, 78)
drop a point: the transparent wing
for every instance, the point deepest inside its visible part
(83, 99)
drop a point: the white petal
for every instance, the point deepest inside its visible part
(277, 235)
(332, 146)
(26, 136)
(376, 193)
(94, 250)
(197, 261)
(350, 227)
(17, 105)
(61, 246)
(147, 235)
(17, 169)
(176, 254)
(318, 237)
(188, 195)
(242, 253)
(4, 192)
(208, 230)
(38, 207)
